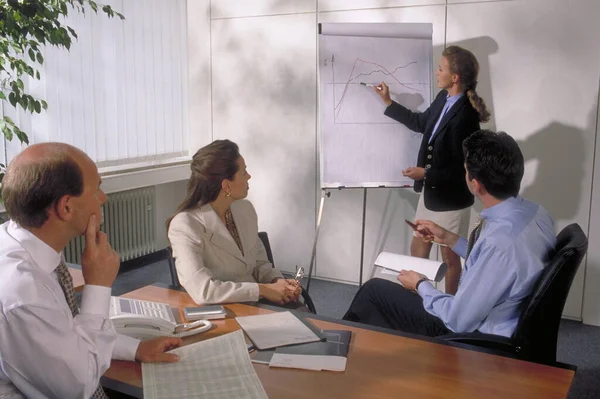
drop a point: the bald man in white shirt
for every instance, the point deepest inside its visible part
(48, 347)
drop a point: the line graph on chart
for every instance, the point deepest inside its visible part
(360, 145)
(353, 103)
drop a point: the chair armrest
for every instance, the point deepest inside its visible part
(308, 301)
(497, 343)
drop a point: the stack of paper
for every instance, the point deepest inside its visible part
(277, 329)
(218, 368)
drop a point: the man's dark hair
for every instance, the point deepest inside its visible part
(31, 189)
(496, 161)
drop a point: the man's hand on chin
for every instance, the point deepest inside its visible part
(153, 350)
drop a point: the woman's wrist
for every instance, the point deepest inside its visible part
(261, 290)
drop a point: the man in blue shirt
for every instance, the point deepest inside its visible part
(505, 255)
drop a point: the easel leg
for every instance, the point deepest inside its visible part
(314, 251)
(362, 240)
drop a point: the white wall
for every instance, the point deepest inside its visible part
(264, 100)
(540, 73)
(168, 197)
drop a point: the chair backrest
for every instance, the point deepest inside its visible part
(537, 329)
(264, 237)
(174, 279)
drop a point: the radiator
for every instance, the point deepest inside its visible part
(129, 222)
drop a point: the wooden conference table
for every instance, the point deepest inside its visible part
(381, 364)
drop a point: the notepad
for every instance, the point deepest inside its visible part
(277, 329)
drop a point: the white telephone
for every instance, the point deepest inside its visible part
(146, 319)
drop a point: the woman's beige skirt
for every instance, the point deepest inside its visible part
(454, 221)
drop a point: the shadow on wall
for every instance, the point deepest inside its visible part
(483, 48)
(263, 93)
(559, 151)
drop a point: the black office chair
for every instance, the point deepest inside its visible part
(536, 334)
(264, 237)
(167, 254)
(168, 251)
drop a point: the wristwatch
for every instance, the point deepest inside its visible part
(419, 282)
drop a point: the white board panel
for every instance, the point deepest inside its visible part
(338, 252)
(361, 147)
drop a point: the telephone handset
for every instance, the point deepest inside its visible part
(145, 327)
(146, 319)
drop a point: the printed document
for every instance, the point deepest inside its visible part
(218, 368)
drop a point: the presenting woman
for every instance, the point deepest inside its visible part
(439, 174)
(214, 235)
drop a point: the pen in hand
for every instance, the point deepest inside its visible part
(371, 85)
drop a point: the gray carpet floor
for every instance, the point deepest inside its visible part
(578, 344)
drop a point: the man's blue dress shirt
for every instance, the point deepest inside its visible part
(505, 263)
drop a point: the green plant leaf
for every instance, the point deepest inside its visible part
(26, 26)
(22, 136)
(12, 99)
(7, 133)
(23, 102)
(72, 31)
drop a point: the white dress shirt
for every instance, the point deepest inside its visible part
(45, 352)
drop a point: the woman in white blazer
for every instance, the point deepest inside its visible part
(214, 235)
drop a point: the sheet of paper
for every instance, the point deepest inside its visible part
(308, 362)
(276, 329)
(434, 270)
(305, 362)
(390, 272)
(218, 368)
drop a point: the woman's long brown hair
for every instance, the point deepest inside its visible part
(210, 166)
(464, 64)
